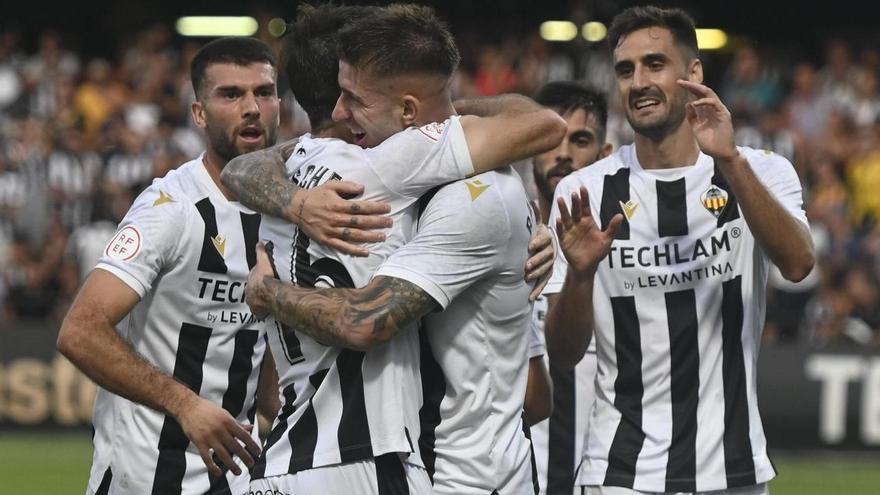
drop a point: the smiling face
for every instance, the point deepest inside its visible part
(238, 108)
(370, 107)
(647, 63)
(580, 147)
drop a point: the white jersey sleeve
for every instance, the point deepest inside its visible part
(537, 342)
(147, 240)
(456, 244)
(411, 162)
(779, 177)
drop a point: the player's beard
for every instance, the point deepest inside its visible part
(660, 128)
(225, 144)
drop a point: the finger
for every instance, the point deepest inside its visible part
(345, 187)
(208, 458)
(706, 102)
(347, 248)
(563, 213)
(536, 262)
(364, 208)
(539, 288)
(536, 208)
(367, 222)
(699, 90)
(243, 433)
(540, 240)
(357, 235)
(585, 202)
(262, 255)
(613, 225)
(560, 227)
(690, 113)
(225, 458)
(238, 449)
(575, 206)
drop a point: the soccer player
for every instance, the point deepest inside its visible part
(350, 420)
(559, 441)
(667, 244)
(180, 371)
(467, 258)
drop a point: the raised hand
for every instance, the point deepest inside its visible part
(582, 242)
(327, 216)
(710, 121)
(216, 434)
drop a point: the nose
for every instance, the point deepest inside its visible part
(249, 106)
(563, 151)
(639, 79)
(340, 113)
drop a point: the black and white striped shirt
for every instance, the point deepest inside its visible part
(342, 405)
(678, 307)
(186, 250)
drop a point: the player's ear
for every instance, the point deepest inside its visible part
(410, 113)
(197, 110)
(605, 150)
(695, 70)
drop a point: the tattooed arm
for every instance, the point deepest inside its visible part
(259, 181)
(357, 319)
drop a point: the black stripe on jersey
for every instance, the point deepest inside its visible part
(390, 475)
(252, 412)
(681, 313)
(561, 432)
(353, 434)
(731, 211)
(425, 199)
(672, 219)
(614, 192)
(239, 371)
(433, 391)
(104, 487)
(536, 485)
(250, 228)
(219, 486)
(303, 435)
(628, 392)
(290, 343)
(210, 260)
(277, 433)
(192, 347)
(738, 460)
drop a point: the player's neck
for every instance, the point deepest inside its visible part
(214, 165)
(544, 204)
(677, 149)
(436, 111)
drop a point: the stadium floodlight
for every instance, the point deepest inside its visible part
(594, 31)
(216, 26)
(558, 30)
(711, 39)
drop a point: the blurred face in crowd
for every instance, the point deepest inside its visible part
(647, 64)
(238, 107)
(580, 147)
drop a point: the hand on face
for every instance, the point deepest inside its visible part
(710, 121)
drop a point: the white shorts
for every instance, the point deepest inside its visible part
(384, 475)
(760, 489)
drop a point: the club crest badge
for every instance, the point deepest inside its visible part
(714, 199)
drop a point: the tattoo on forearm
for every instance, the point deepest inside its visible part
(259, 179)
(347, 317)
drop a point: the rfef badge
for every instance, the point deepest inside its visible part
(714, 199)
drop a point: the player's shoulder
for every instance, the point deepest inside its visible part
(427, 134)
(491, 196)
(766, 162)
(172, 194)
(593, 174)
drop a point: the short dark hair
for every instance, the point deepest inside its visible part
(569, 96)
(310, 57)
(677, 21)
(232, 50)
(400, 39)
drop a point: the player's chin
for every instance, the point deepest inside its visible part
(248, 146)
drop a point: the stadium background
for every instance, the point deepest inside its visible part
(94, 102)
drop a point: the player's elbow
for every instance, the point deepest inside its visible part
(365, 337)
(552, 129)
(233, 173)
(797, 270)
(70, 337)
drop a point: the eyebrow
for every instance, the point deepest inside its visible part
(583, 133)
(233, 87)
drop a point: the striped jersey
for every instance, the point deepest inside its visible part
(678, 307)
(342, 405)
(186, 250)
(558, 441)
(469, 254)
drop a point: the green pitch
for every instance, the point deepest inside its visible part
(59, 465)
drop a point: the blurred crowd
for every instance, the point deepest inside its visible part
(81, 137)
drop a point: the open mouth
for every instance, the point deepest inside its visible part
(251, 134)
(642, 103)
(359, 138)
